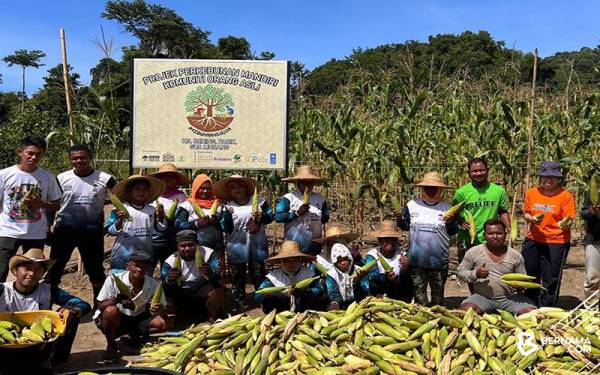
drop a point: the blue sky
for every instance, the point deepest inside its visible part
(309, 31)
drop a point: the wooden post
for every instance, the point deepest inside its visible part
(63, 47)
(531, 122)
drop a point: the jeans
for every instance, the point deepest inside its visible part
(436, 279)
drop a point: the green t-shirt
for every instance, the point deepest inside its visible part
(483, 203)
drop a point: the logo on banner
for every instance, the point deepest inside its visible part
(209, 109)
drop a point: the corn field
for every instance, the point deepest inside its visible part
(372, 141)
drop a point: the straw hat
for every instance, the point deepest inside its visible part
(387, 228)
(157, 187)
(306, 173)
(335, 231)
(33, 255)
(433, 179)
(289, 249)
(170, 168)
(221, 191)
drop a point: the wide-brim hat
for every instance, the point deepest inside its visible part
(289, 249)
(335, 231)
(433, 179)
(220, 187)
(305, 173)
(170, 168)
(387, 229)
(34, 255)
(157, 187)
(550, 169)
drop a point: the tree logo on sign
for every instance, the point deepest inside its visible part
(209, 108)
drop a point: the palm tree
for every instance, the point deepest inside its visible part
(25, 59)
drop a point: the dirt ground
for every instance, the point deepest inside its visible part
(90, 343)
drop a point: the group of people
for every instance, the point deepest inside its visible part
(221, 226)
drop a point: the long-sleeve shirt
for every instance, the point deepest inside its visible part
(242, 245)
(306, 228)
(190, 275)
(429, 234)
(135, 235)
(42, 298)
(592, 220)
(491, 287)
(210, 235)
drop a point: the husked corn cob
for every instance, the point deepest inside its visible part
(454, 210)
(472, 227)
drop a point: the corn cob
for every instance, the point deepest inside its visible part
(119, 205)
(472, 228)
(594, 190)
(306, 197)
(384, 264)
(170, 214)
(271, 290)
(123, 289)
(199, 211)
(198, 258)
(213, 208)
(367, 267)
(565, 223)
(157, 296)
(177, 267)
(514, 229)
(523, 284)
(322, 270)
(305, 283)
(255, 201)
(516, 277)
(538, 217)
(452, 211)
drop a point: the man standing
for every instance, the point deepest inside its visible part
(27, 191)
(79, 222)
(484, 200)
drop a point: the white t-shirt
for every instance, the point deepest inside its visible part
(16, 220)
(11, 300)
(82, 205)
(140, 300)
(190, 275)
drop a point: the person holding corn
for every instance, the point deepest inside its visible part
(345, 282)
(303, 211)
(192, 278)
(334, 234)
(292, 286)
(484, 266)
(203, 213)
(164, 242)
(390, 275)
(136, 221)
(550, 210)
(429, 241)
(247, 245)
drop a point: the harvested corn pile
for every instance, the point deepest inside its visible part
(384, 336)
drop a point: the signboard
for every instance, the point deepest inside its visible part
(210, 114)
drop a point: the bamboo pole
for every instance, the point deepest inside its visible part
(63, 47)
(531, 122)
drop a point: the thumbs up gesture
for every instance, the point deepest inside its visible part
(482, 272)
